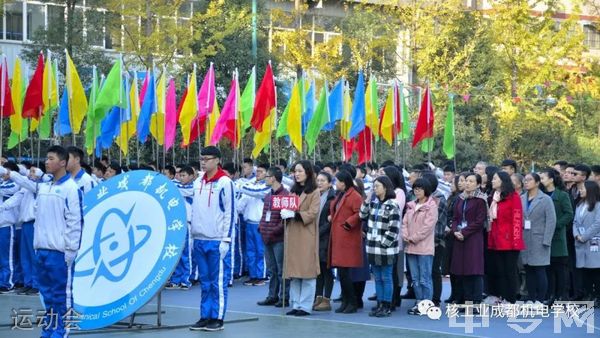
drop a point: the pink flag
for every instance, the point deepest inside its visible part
(144, 87)
(226, 124)
(206, 95)
(170, 115)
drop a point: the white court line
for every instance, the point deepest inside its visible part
(335, 321)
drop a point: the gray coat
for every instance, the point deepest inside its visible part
(540, 212)
(589, 222)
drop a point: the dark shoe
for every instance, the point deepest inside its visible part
(22, 291)
(449, 300)
(172, 286)
(268, 301)
(376, 310)
(373, 297)
(301, 313)
(342, 308)
(410, 294)
(33, 292)
(258, 282)
(214, 325)
(414, 311)
(385, 310)
(292, 312)
(337, 300)
(4, 289)
(360, 304)
(350, 308)
(280, 303)
(184, 287)
(436, 303)
(200, 324)
(250, 282)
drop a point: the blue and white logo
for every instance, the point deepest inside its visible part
(132, 239)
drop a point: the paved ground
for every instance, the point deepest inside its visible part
(250, 320)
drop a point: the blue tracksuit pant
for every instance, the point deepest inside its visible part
(28, 255)
(55, 284)
(214, 277)
(7, 257)
(255, 252)
(183, 271)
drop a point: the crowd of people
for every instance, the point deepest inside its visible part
(501, 236)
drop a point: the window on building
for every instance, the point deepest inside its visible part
(185, 9)
(14, 21)
(36, 18)
(95, 27)
(112, 37)
(592, 37)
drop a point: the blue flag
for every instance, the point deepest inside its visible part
(336, 105)
(309, 110)
(358, 108)
(149, 107)
(109, 128)
(62, 125)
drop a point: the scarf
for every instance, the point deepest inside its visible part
(479, 194)
(493, 212)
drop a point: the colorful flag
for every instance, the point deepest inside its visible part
(424, 129)
(78, 104)
(265, 100)
(372, 107)
(262, 139)
(247, 101)
(111, 93)
(335, 105)
(17, 123)
(403, 126)
(170, 115)
(157, 121)
(346, 117)
(387, 127)
(309, 107)
(33, 104)
(6, 103)
(449, 146)
(62, 125)
(211, 123)
(318, 121)
(149, 107)
(294, 117)
(132, 104)
(358, 108)
(227, 125)
(188, 109)
(92, 128)
(364, 146)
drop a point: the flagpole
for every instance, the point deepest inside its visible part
(2, 89)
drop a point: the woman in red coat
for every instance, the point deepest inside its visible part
(505, 240)
(345, 241)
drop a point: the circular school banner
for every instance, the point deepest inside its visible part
(133, 235)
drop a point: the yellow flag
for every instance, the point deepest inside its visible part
(128, 128)
(387, 120)
(294, 119)
(157, 121)
(50, 88)
(346, 123)
(189, 109)
(212, 122)
(263, 139)
(78, 104)
(16, 90)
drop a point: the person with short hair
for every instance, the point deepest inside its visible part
(169, 171)
(418, 232)
(79, 175)
(509, 166)
(595, 173)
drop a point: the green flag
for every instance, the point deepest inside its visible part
(14, 139)
(427, 145)
(449, 133)
(282, 126)
(44, 127)
(111, 93)
(319, 119)
(247, 101)
(404, 133)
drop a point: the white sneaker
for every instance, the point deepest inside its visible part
(490, 300)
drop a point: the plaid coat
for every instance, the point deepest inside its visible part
(383, 227)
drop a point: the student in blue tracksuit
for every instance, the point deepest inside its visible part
(213, 217)
(9, 241)
(56, 239)
(251, 206)
(24, 201)
(84, 181)
(180, 279)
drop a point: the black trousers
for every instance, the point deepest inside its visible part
(397, 278)
(436, 272)
(558, 277)
(359, 290)
(576, 289)
(469, 289)
(537, 282)
(324, 281)
(502, 275)
(348, 294)
(591, 279)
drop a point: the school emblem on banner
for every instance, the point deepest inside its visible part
(133, 235)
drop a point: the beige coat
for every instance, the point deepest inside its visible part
(302, 240)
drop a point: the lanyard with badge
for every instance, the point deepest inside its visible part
(268, 213)
(527, 222)
(595, 241)
(463, 223)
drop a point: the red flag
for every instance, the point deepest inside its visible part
(265, 100)
(348, 147)
(424, 127)
(33, 105)
(363, 146)
(6, 104)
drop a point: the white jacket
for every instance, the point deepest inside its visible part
(25, 197)
(58, 215)
(252, 201)
(213, 208)
(187, 191)
(84, 181)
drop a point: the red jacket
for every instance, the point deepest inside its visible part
(345, 246)
(507, 229)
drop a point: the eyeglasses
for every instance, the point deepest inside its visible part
(267, 176)
(204, 159)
